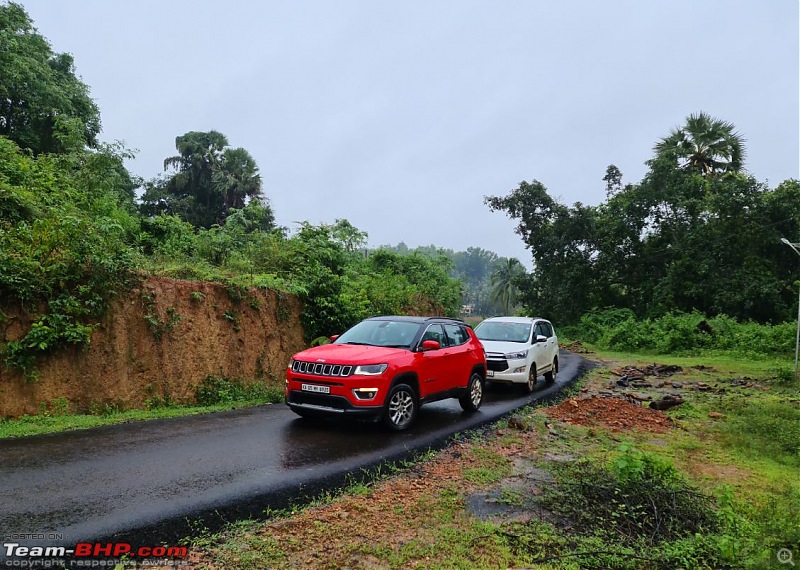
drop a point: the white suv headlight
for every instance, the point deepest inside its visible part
(521, 355)
(371, 369)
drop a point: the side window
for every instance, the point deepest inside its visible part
(548, 330)
(434, 332)
(539, 330)
(456, 335)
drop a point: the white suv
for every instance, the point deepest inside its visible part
(519, 349)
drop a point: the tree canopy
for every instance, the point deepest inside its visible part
(704, 144)
(44, 107)
(694, 234)
(208, 180)
(505, 283)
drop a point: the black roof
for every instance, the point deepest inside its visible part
(420, 320)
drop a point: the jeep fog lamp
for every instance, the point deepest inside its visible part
(365, 393)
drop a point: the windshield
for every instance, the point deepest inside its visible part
(503, 331)
(397, 334)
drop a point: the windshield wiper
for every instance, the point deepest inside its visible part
(358, 343)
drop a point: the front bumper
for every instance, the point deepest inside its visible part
(511, 371)
(320, 395)
(329, 405)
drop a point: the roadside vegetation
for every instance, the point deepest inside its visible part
(697, 233)
(214, 394)
(683, 334)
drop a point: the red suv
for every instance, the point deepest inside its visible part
(385, 368)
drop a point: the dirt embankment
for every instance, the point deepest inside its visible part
(159, 341)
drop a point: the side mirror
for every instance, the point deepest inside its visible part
(430, 345)
(540, 338)
(334, 337)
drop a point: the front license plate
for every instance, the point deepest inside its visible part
(315, 388)
(489, 373)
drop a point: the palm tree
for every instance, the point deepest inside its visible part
(210, 178)
(190, 190)
(504, 282)
(198, 155)
(236, 179)
(704, 144)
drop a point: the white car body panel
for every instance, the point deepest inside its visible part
(516, 371)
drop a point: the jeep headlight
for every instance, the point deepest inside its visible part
(371, 369)
(521, 355)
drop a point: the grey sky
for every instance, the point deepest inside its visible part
(401, 116)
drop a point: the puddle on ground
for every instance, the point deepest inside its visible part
(515, 498)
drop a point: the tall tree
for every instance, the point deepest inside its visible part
(561, 242)
(190, 191)
(44, 107)
(208, 181)
(505, 282)
(474, 265)
(236, 178)
(704, 144)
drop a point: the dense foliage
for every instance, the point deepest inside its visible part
(489, 283)
(339, 281)
(71, 235)
(687, 333)
(65, 232)
(209, 180)
(70, 238)
(696, 234)
(44, 107)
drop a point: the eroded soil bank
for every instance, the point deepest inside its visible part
(158, 342)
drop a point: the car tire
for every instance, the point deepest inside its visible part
(550, 377)
(530, 385)
(473, 398)
(401, 407)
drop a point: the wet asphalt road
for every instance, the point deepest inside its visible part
(144, 482)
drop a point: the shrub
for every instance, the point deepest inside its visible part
(65, 246)
(215, 390)
(682, 333)
(639, 496)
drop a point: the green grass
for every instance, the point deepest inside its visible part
(490, 468)
(753, 450)
(767, 367)
(53, 423)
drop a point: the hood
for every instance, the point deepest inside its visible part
(504, 347)
(349, 354)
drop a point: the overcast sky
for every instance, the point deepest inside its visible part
(400, 116)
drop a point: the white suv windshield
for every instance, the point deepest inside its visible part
(503, 331)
